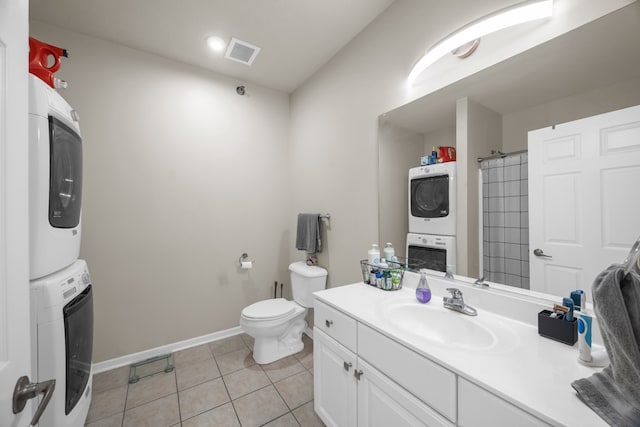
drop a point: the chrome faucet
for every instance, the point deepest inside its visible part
(456, 302)
(480, 283)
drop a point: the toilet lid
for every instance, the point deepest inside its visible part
(269, 309)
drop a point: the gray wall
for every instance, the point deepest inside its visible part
(399, 150)
(601, 100)
(478, 130)
(182, 175)
(169, 201)
(334, 144)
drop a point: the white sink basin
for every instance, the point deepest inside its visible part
(440, 326)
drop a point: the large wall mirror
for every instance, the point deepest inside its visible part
(586, 72)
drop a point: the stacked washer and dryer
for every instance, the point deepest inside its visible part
(60, 285)
(431, 241)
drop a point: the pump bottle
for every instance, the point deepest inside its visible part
(423, 292)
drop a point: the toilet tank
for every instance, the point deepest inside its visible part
(305, 280)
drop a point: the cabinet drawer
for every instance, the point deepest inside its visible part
(478, 407)
(336, 324)
(426, 380)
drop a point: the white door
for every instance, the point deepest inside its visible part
(334, 385)
(14, 251)
(583, 176)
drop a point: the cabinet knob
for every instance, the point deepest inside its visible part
(347, 366)
(357, 373)
(328, 323)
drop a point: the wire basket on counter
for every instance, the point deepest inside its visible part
(389, 278)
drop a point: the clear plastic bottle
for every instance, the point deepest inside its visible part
(389, 252)
(373, 255)
(423, 292)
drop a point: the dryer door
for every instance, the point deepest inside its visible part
(78, 334)
(65, 181)
(427, 257)
(430, 197)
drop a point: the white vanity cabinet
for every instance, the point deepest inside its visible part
(334, 385)
(383, 403)
(348, 391)
(479, 408)
(364, 378)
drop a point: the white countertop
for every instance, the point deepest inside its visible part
(535, 373)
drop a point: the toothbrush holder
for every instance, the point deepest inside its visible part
(556, 328)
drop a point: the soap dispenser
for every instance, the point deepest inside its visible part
(423, 292)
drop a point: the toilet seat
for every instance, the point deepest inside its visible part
(270, 309)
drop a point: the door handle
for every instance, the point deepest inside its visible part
(26, 390)
(358, 373)
(539, 252)
(328, 323)
(347, 366)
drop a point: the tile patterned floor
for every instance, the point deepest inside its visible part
(215, 384)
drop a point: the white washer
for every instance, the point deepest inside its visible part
(55, 180)
(62, 342)
(432, 252)
(432, 199)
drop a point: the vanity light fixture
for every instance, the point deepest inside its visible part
(504, 18)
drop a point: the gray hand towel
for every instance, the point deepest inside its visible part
(308, 234)
(614, 393)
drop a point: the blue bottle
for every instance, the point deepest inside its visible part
(423, 292)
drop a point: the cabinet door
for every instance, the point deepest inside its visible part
(383, 403)
(334, 386)
(426, 380)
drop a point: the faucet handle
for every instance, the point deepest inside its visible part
(480, 283)
(455, 293)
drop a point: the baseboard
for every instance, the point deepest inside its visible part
(308, 331)
(169, 348)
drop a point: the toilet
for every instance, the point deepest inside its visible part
(277, 324)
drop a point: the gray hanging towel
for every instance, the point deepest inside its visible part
(308, 234)
(614, 393)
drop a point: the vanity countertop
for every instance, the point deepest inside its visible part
(535, 373)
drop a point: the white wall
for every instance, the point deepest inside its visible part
(182, 175)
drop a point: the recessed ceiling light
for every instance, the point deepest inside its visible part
(216, 43)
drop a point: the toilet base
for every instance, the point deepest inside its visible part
(269, 349)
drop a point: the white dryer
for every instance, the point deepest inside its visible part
(55, 180)
(62, 343)
(432, 199)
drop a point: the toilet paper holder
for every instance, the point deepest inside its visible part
(243, 258)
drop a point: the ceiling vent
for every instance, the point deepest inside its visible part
(241, 51)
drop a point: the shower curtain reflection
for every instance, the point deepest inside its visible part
(505, 219)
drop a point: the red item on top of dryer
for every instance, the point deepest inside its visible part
(446, 154)
(40, 54)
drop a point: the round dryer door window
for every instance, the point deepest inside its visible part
(430, 197)
(65, 181)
